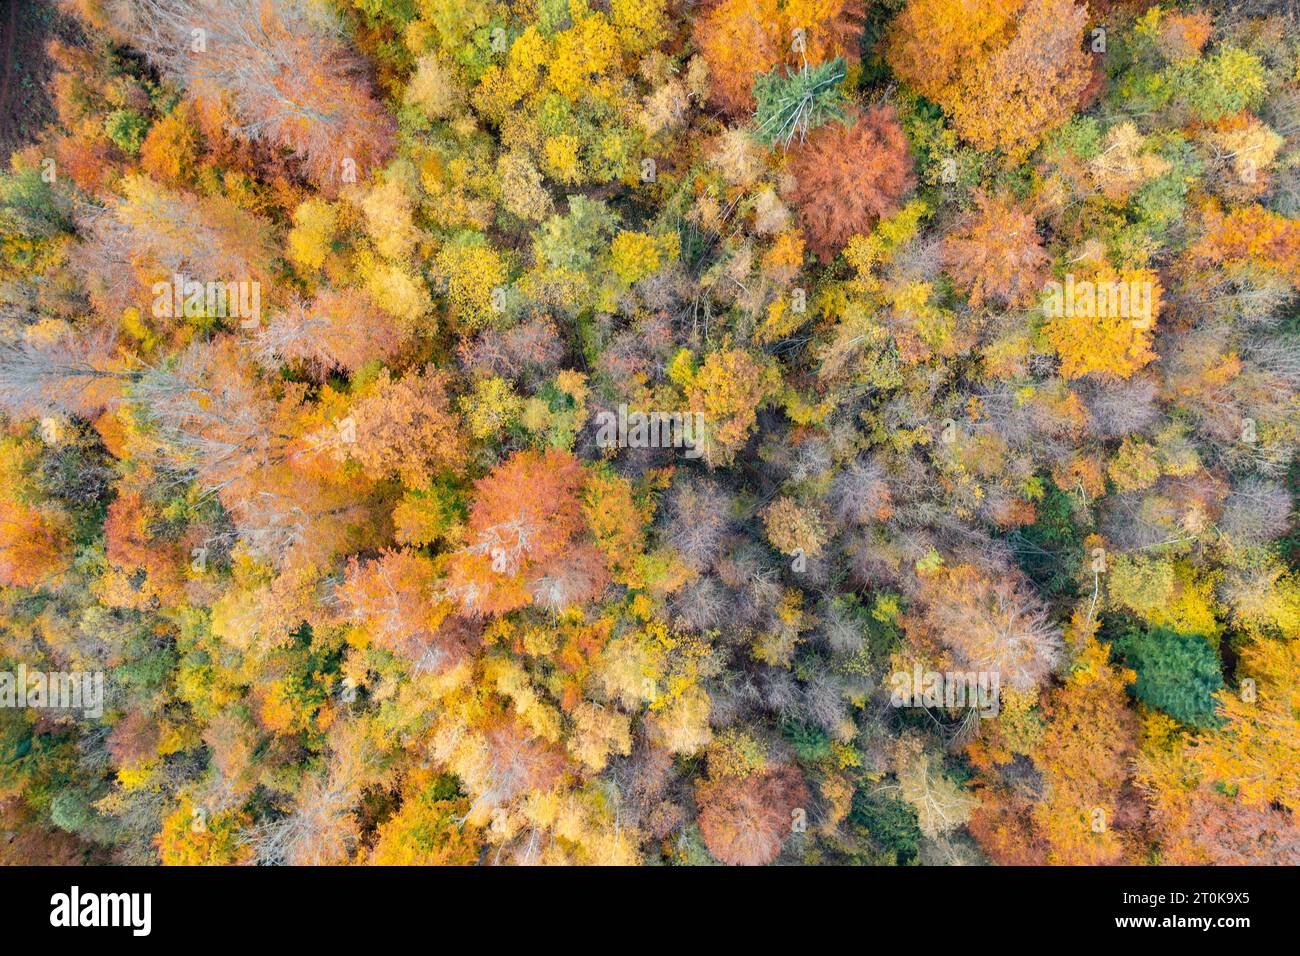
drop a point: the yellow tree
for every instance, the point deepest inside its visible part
(1104, 325)
(728, 389)
(1256, 754)
(1085, 756)
(428, 829)
(1005, 71)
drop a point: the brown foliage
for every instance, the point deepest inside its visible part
(285, 70)
(134, 739)
(849, 175)
(524, 516)
(995, 255)
(406, 428)
(26, 839)
(743, 821)
(532, 347)
(132, 544)
(337, 329)
(393, 597)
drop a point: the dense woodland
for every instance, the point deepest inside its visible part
(366, 587)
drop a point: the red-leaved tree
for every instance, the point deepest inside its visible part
(848, 176)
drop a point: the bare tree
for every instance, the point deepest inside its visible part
(284, 67)
(38, 377)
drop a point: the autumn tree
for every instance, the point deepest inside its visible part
(1104, 325)
(848, 175)
(1085, 755)
(321, 826)
(283, 68)
(190, 836)
(996, 255)
(727, 388)
(1254, 751)
(392, 598)
(793, 529)
(404, 427)
(524, 515)
(428, 828)
(1006, 71)
(745, 820)
(151, 567)
(150, 234)
(31, 546)
(336, 329)
(941, 804)
(62, 372)
(992, 623)
(742, 39)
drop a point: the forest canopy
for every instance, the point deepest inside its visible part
(446, 432)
